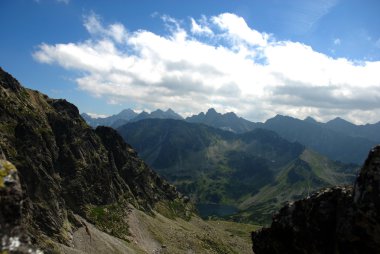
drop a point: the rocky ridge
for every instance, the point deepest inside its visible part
(342, 219)
(67, 169)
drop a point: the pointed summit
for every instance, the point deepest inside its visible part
(172, 114)
(309, 119)
(338, 120)
(211, 111)
(127, 114)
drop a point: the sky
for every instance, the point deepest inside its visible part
(318, 58)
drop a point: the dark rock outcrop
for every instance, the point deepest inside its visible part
(334, 220)
(66, 167)
(13, 237)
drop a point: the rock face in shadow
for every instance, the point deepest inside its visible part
(335, 220)
(14, 238)
(65, 167)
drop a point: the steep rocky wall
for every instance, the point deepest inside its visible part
(334, 220)
(66, 167)
(14, 238)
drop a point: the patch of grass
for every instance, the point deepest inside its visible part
(174, 209)
(110, 219)
(216, 246)
(198, 236)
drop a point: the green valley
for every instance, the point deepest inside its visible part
(255, 172)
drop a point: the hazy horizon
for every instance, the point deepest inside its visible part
(138, 111)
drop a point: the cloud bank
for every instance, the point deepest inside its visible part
(217, 62)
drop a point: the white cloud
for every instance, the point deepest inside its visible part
(236, 28)
(236, 69)
(95, 115)
(116, 31)
(197, 28)
(337, 41)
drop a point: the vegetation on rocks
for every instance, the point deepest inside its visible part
(110, 219)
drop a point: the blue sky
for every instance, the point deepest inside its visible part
(256, 58)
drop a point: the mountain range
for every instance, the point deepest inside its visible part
(337, 139)
(253, 172)
(122, 117)
(329, 139)
(228, 121)
(128, 115)
(367, 131)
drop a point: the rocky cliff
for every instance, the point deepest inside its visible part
(14, 238)
(67, 169)
(335, 220)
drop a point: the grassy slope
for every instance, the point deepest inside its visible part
(196, 235)
(310, 172)
(156, 233)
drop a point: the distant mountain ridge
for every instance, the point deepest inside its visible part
(128, 115)
(157, 114)
(125, 115)
(332, 139)
(338, 139)
(368, 131)
(228, 121)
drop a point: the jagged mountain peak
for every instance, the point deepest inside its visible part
(281, 117)
(340, 122)
(127, 112)
(228, 121)
(157, 114)
(174, 115)
(212, 111)
(310, 120)
(128, 115)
